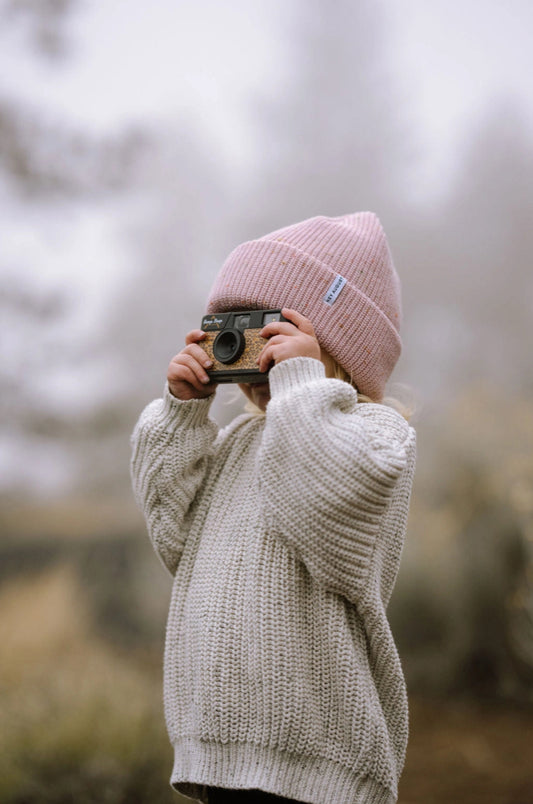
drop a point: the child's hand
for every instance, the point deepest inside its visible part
(293, 338)
(187, 378)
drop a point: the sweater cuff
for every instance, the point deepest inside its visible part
(294, 372)
(185, 413)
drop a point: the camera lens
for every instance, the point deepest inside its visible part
(229, 346)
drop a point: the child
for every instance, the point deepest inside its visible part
(284, 531)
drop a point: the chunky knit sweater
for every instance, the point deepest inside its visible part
(283, 533)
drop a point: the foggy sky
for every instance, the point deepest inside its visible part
(127, 63)
(208, 72)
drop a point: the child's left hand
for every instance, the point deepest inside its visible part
(292, 338)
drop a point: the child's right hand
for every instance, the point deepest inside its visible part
(186, 375)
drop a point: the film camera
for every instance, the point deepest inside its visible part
(234, 343)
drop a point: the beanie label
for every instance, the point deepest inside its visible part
(334, 290)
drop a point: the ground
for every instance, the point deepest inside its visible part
(469, 752)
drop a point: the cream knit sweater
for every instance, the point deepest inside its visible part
(283, 533)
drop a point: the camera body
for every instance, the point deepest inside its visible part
(233, 342)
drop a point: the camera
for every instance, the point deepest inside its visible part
(233, 342)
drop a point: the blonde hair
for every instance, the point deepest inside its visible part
(335, 371)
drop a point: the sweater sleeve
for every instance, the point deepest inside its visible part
(171, 445)
(328, 469)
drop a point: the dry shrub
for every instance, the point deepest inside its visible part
(463, 608)
(80, 721)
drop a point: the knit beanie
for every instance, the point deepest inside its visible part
(338, 272)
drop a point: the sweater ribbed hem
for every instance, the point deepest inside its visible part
(190, 412)
(198, 765)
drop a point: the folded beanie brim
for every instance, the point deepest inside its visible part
(271, 273)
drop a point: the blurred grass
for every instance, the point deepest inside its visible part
(82, 613)
(81, 721)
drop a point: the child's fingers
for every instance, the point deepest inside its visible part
(198, 353)
(299, 320)
(281, 347)
(181, 374)
(194, 336)
(279, 328)
(189, 362)
(269, 355)
(274, 353)
(186, 375)
(279, 338)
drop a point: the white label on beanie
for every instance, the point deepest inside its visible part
(334, 289)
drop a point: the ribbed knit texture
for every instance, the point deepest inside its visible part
(296, 267)
(284, 534)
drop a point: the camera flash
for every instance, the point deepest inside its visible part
(268, 318)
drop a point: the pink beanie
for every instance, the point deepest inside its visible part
(338, 272)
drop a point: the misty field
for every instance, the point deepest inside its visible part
(110, 236)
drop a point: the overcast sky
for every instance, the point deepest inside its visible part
(131, 61)
(151, 63)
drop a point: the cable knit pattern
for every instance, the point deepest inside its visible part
(284, 534)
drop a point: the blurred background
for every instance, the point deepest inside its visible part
(138, 145)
